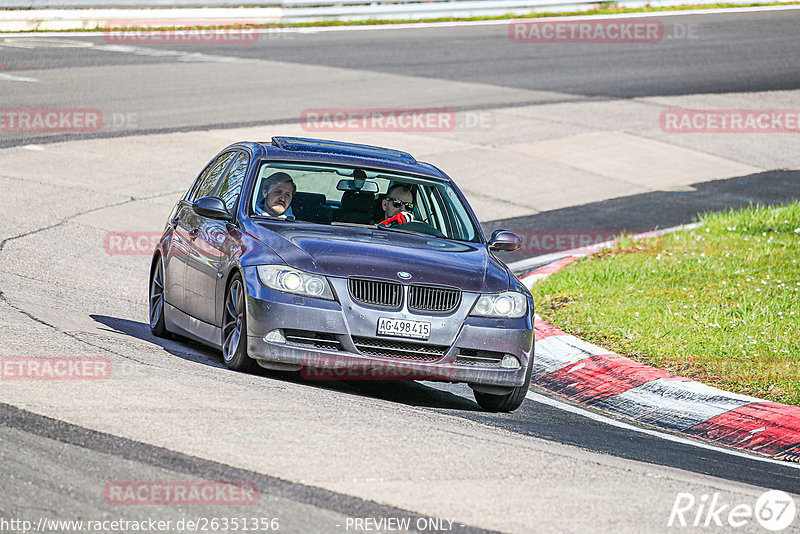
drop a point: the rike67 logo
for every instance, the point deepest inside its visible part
(774, 510)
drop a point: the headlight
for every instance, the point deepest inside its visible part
(508, 304)
(290, 280)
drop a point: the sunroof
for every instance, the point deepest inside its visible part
(338, 147)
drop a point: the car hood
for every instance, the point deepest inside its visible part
(367, 252)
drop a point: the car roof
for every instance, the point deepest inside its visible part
(326, 151)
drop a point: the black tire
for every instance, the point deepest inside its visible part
(507, 402)
(234, 328)
(501, 403)
(157, 326)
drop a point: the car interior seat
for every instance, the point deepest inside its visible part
(311, 207)
(356, 207)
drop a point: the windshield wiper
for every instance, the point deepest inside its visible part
(288, 219)
(400, 230)
(356, 225)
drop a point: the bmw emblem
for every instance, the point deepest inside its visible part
(404, 275)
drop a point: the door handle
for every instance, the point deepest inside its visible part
(193, 234)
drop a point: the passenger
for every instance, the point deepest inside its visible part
(398, 205)
(277, 191)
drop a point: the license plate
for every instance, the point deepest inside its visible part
(403, 328)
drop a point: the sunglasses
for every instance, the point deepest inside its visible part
(409, 206)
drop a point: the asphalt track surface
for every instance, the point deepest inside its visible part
(737, 53)
(724, 53)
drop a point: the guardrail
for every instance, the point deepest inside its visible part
(117, 4)
(30, 15)
(342, 5)
(94, 14)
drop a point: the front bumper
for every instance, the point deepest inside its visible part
(338, 340)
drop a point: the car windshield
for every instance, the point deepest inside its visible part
(337, 195)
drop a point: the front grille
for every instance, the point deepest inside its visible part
(317, 340)
(404, 350)
(376, 292)
(433, 299)
(479, 358)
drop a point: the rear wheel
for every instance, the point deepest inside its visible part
(234, 328)
(157, 326)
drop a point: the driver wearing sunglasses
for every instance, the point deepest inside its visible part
(398, 205)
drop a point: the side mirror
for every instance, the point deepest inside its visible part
(211, 207)
(504, 241)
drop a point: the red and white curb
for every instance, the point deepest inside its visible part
(593, 376)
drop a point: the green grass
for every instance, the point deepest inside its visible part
(607, 9)
(719, 304)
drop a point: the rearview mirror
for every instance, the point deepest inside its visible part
(211, 207)
(504, 241)
(357, 185)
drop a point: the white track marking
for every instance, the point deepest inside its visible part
(684, 402)
(536, 397)
(36, 40)
(12, 78)
(161, 52)
(53, 41)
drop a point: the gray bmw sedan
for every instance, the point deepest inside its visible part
(342, 261)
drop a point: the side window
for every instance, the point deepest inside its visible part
(459, 220)
(434, 208)
(208, 182)
(424, 205)
(231, 187)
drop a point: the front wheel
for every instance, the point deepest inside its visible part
(234, 328)
(507, 402)
(501, 403)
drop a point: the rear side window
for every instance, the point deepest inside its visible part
(208, 181)
(231, 187)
